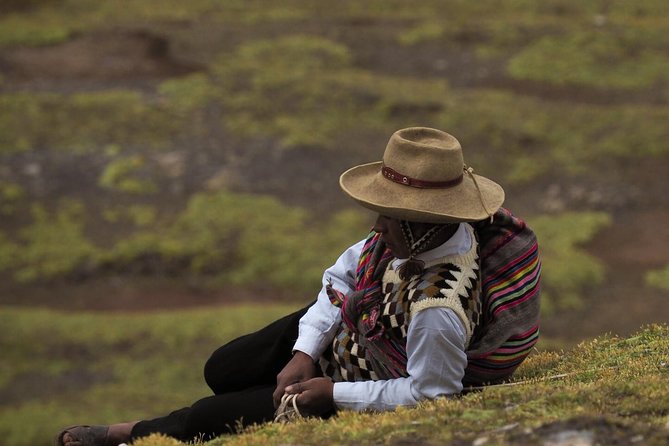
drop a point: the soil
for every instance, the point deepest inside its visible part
(637, 241)
(98, 60)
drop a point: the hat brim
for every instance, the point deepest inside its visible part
(459, 203)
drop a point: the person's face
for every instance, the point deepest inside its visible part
(391, 234)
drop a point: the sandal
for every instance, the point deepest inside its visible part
(85, 435)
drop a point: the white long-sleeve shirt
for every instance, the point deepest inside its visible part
(436, 358)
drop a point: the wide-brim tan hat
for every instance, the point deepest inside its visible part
(423, 178)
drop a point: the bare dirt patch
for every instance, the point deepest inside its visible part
(9, 6)
(119, 294)
(105, 56)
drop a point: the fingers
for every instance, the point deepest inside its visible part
(300, 368)
(294, 388)
(314, 397)
(281, 389)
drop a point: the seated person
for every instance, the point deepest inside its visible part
(442, 294)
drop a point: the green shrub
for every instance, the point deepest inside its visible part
(245, 239)
(54, 244)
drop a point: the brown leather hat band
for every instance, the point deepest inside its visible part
(405, 180)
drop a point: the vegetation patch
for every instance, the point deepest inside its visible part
(659, 278)
(305, 91)
(601, 58)
(551, 397)
(103, 368)
(567, 271)
(11, 195)
(124, 175)
(236, 238)
(136, 214)
(532, 137)
(53, 245)
(82, 122)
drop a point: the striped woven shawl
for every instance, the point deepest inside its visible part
(511, 271)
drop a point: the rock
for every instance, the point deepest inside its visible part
(570, 438)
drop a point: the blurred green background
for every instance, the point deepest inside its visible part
(174, 162)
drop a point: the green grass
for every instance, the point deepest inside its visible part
(103, 368)
(236, 238)
(82, 122)
(622, 380)
(615, 58)
(59, 367)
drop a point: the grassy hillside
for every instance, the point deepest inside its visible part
(140, 138)
(606, 391)
(58, 369)
(186, 153)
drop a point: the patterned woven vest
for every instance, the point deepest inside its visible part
(449, 282)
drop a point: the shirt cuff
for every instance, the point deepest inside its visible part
(373, 395)
(346, 395)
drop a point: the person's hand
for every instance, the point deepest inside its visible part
(300, 368)
(314, 397)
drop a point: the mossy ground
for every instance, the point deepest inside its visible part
(617, 382)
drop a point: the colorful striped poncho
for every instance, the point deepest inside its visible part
(508, 326)
(510, 271)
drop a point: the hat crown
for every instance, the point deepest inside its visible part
(425, 154)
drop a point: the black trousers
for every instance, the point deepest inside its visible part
(242, 375)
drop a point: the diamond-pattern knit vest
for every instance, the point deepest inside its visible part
(448, 282)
